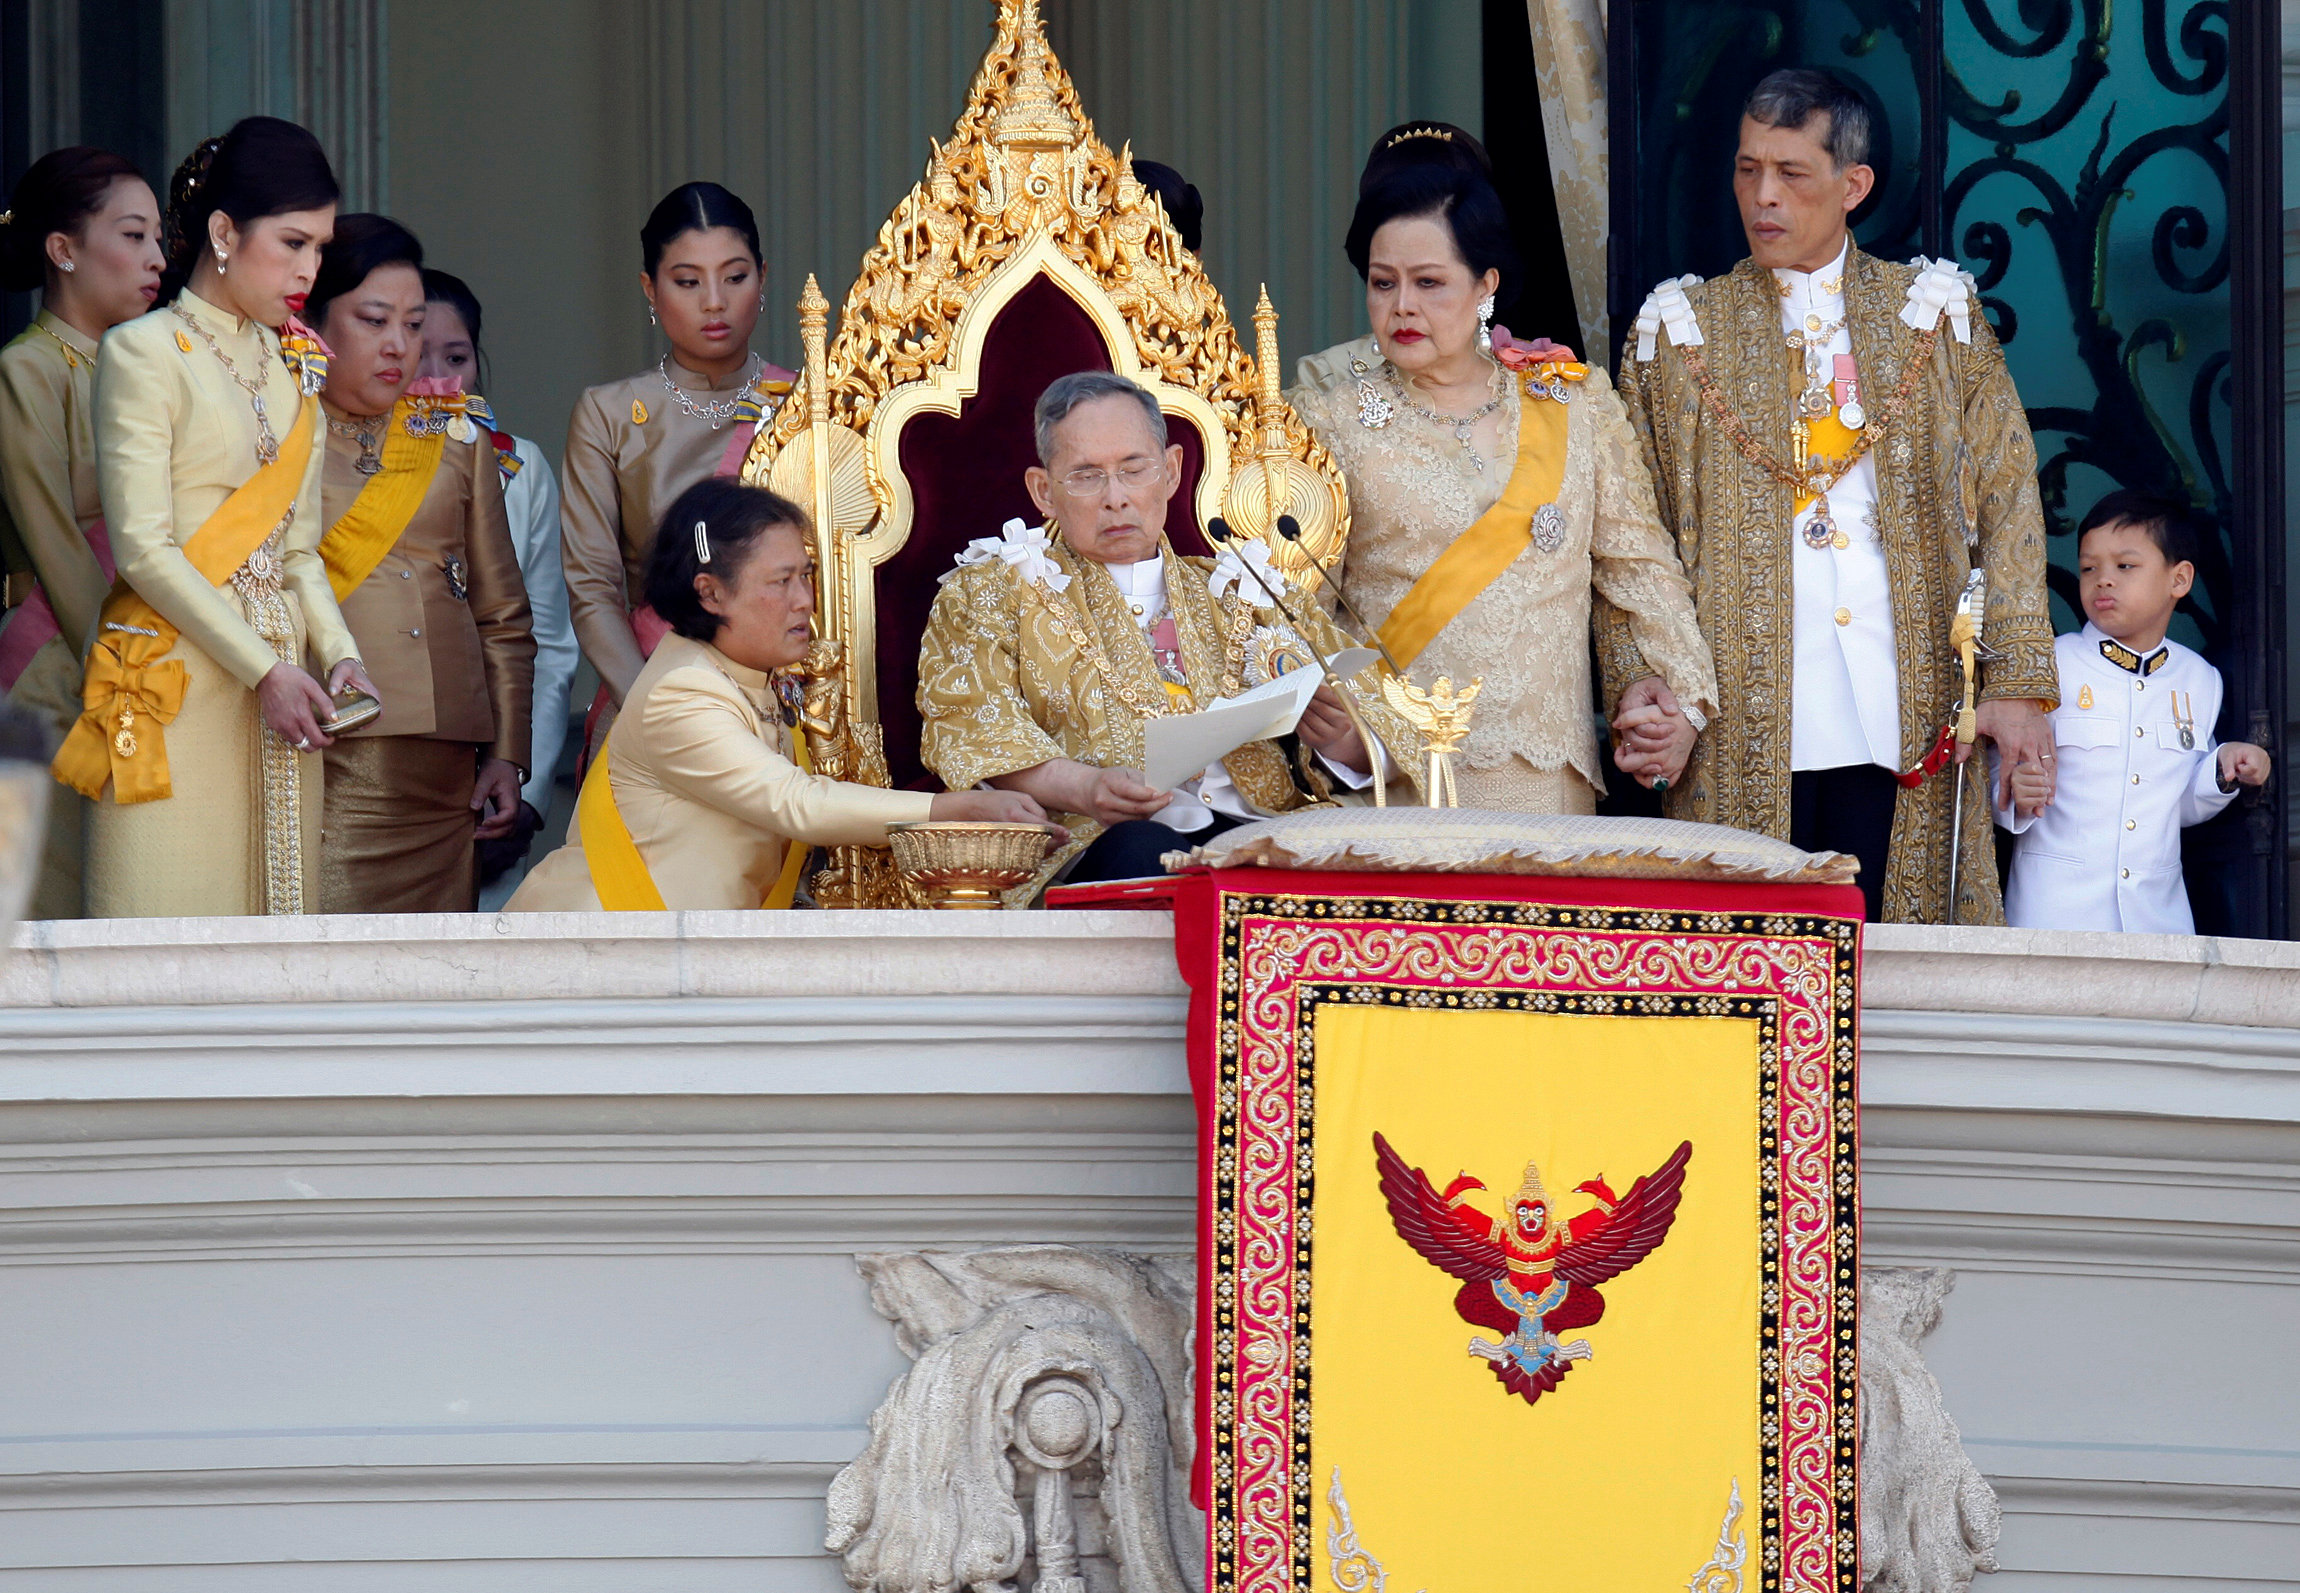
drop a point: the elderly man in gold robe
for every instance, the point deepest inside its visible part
(1836, 445)
(1045, 657)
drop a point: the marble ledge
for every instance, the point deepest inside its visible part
(193, 962)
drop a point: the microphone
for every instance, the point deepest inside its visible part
(1291, 529)
(1219, 530)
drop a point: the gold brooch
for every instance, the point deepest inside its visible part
(638, 413)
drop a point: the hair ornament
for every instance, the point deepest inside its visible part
(1442, 134)
(702, 542)
(6, 216)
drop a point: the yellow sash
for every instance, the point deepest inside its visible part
(357, 542)
(1473, 560)
(619, 873)
(129, 692)
(1826, 437)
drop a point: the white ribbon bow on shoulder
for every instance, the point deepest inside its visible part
(1941, 286)
(1667, 306)
(1023, 547)
(1238, 556)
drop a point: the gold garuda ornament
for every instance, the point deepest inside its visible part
(1022, 194)
(1440, 716)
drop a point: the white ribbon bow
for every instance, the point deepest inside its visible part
(1024, 547)
(1941, 285)
(1239, 555)
(1667, 306)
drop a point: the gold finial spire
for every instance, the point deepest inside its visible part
(1033, 117)
(814, 317)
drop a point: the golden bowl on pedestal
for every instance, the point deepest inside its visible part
(960, 864)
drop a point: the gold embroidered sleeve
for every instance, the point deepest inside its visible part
(1619, 659)
(1634, 568)
(975, 722)
(2011, 516)
(1398, 740)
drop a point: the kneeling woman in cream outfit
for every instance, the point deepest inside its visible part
(698, 798)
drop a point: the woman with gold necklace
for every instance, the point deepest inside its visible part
(1494, 486)
(199, 719)
(420, 556)
(636, 444)
(84, 228)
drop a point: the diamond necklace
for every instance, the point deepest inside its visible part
(1462, 425)
(718, 414)
(267, 443)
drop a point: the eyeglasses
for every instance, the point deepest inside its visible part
(1086, 484)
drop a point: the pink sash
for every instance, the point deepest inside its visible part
(35, 622)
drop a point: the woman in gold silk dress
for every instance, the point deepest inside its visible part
(701, 772)
(636, 444)
(84, 228)
(193, 402)
(421, 559)
(1428, 427)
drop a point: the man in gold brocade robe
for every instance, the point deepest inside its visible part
(1044, 658)
(1835, 442)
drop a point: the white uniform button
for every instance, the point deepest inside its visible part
(2124, 873)
(418, 631)
(2136, 779)
(407, 575)
(2132, 824)
(1844, 616)
(2140, 685)
(2140, 730)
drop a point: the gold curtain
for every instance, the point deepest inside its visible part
(1569, 64)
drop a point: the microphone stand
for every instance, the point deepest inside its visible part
(1219, 530)
(1291, 529)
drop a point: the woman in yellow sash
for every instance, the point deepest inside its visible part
(634, 445)
(84, 229)
(420, 557)
(1489, 499)
(198, 713)
(701, 796)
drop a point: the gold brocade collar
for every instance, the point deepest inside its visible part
(2131, 662)
(1121, 635)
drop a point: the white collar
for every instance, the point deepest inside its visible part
(1143, 583)
(1812, 290)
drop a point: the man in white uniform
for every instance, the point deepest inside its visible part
(2133, 736)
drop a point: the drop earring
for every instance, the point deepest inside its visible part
(223, 263)
(651, 321)
(1485, 326)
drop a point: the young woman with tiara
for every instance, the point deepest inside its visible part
(420, 558)
(199, 721)
(636, 444)
(452, 351)
(84, 228)
(1494, 486)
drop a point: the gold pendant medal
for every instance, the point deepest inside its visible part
(461, 430)
(638, 413)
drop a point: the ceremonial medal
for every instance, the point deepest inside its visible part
(1548, 528)
(1820, 531)
(1814, 402)
(1848, 394)
(638, 413)
(461, 429)
(2084, 696)
(2186, 720)
(184, 343)
(458, 579)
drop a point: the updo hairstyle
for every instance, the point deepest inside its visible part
(363, 245)
(694, 207)
(59, 192)
(734, 518)
(1436, 169)
(262, 167)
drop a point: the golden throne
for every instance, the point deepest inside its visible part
(1027, 251)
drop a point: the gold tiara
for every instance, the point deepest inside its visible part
(1440, 133)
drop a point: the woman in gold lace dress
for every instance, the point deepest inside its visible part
(83, 227)
(636, 444)
(198, 716)
(1490, 495)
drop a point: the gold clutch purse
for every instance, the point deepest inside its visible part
(353, 708)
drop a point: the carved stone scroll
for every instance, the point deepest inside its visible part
(1043, 1373)
(1929, 1519)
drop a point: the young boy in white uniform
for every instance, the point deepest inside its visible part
(2099, 845)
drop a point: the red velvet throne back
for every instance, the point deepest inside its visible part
(965, 475)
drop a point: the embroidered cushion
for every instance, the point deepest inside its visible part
(1476, 841)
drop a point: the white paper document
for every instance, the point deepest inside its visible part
(1179, 747)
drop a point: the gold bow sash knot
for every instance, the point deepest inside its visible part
(130, 691)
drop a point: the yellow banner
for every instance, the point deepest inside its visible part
(371, 527)
(1472, 1445)
(1476, 558)
(132, 687)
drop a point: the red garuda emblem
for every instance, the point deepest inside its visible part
(1532, 1275)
